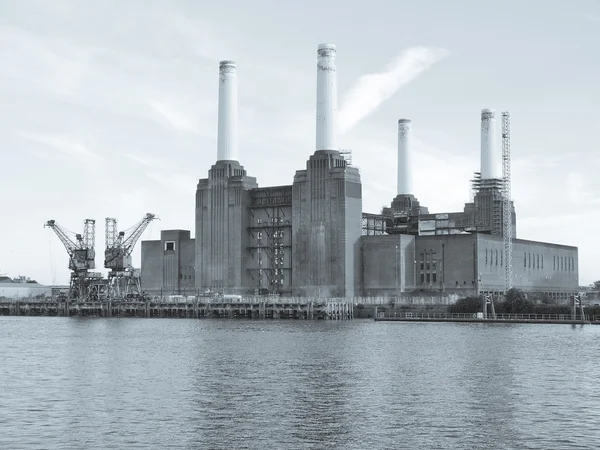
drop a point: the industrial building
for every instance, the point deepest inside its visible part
(23, 288)
(311, 238)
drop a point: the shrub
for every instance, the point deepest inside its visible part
(467, 305)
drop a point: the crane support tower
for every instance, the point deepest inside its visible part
(80, 248)
(507, 225)
(123, 279)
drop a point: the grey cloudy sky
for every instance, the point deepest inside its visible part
(109, 108)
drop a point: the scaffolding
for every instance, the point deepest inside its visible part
(347, 155)
(373, 225)
(270, 235)
(486, 214)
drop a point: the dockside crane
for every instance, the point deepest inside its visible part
(123, 279)
(82, 254)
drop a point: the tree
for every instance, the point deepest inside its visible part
(595, 286)
(516, 302)
(467, 305)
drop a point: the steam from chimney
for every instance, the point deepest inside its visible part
(326, 98)
(227, 141)
(405, 184)
(490, 158)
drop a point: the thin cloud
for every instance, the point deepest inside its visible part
(538, 162)
(178, 182)
(577, 190)
(174, 117)
(591, 17)
(65, 144)
(373, 89)
(150, 162)
(25, 56)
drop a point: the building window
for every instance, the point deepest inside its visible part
(422, 278)
(434, 277)
(529, 260)
(496, 257)
(542, 261)
(169, 246)
(486, 256)
(538, 261)
(501, 258)
(524, 259)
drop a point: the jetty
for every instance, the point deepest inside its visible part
(280, 308)
(390, 316)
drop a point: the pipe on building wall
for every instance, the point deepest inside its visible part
(227, 140)
(491, 160)
(326, 138)
(405, 183)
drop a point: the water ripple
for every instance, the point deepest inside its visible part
(190, 384)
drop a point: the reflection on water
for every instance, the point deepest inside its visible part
(137, 383)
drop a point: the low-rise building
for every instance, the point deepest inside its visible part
(168, 264)
(22, 288)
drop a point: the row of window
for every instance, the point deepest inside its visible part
(536, 260)
(491, 257)
(532, 261)
(428, 278)
(564, 263)
(427, 262)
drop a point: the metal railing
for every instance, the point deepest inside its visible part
(479, 316)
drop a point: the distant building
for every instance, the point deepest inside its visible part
(23, 288)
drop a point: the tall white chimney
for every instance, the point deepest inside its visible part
(326, 98)
(491, 160)
(405, 185)
(227, 141)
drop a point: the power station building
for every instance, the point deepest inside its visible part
(312, 239)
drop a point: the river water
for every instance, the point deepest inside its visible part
(92, 383)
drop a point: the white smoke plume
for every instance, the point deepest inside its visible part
(373, 89)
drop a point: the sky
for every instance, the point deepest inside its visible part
(109, 108)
